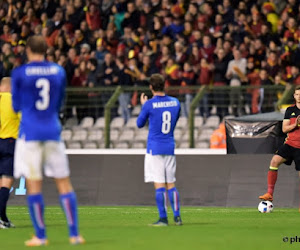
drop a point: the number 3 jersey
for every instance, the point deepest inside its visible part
(38, 91)
(162, 113)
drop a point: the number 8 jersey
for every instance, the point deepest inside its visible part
(38, 91)
(163, 113)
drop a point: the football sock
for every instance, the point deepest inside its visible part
(272, 178)
(69, 204)
(174, 200)
(4, 195)
(161, 197)
(36, 210)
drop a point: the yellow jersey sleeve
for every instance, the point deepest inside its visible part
(9, 120)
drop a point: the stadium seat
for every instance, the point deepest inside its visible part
(114, 135)
(66, 135)
(182, 122)
(127, 136)
(136, 110)
(90, 145)
(87, 122)
(102, 145)
(185, 136)
(71, 122)
(131, 123)
(183, 145)
(117, 123)
(95, 135)
(205, 134)
(212, 122)
(178, 134)
(138, 145)
(121, 145)
(141, 135)
(198, 122)
(74, 145)
(79, 135)
(100, 123)
(202, 144)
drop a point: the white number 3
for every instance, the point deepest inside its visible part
(166, 122)
(44, 85)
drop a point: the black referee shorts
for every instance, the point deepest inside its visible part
(7, 149)
(290, 154)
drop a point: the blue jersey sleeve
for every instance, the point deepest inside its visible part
(16, 94)
(143, 116)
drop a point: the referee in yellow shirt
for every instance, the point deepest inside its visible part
(9, 127)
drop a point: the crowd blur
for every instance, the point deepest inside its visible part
(192, 43)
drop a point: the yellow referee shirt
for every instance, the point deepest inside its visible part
(9, 120)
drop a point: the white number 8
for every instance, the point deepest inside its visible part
(44, 85)
(166, 122)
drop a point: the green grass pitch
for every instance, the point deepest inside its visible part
(121, 228)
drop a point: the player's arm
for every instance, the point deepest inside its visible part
(143, 116)
(16, 94)
(288, 127)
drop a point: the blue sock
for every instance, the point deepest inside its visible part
(69, 204)
(160, 197)
(174, 200)
(36, 210)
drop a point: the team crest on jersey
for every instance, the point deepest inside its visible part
(293, 114)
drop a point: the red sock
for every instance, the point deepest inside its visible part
(272, 178)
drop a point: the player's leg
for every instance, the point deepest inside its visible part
(174, 200)
(170, 169)
(36, 207)
(6, 184)
(276, 161)
(161, 203)
(155, 172)
(31, 154)
(57, 166)
(68, 203)
(6, 176)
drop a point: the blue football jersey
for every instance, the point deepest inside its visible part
(38, 90)
(162, 113)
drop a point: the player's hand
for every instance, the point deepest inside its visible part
(143, 98)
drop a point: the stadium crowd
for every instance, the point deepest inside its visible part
(192, 43)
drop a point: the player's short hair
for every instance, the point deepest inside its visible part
(157, 82)
(37, 44)
(297, 88)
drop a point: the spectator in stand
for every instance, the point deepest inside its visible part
(93, 82)
(207, 51)
(173, 76)
(205, 78)
(123, 79)
(180, 56)
(294, 78)
(106, 74)
(236, 71)
(93, 17)
(267, 96)
(253, 80)
(131, 17)
(219, 80)
(188, 79)
(272, 64)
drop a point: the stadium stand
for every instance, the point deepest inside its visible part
(220, 44)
